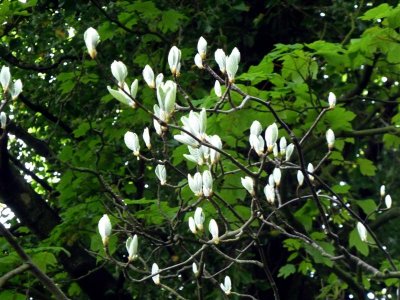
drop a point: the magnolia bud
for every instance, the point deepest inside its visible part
(198, 61)
(217, 89)
(332, 100)
(132, 142)
(3, 120)
(199, 218)
(277, 176)
(146, 138)
(202, 47)
(155, 270)
(105, 229)
(192, 225)
(16, 89)
(148, 76)
(269, 193)
(220, 58)
(119, 71)
(227, 285)
(310, 169)
(271, 135)
(289, 151)
(132, 248)
(91, 38)
(362, 231)
(300, 177)
(174, 58)
(382, 191)
(388, 201)
(161, 174)
(330, 138)
(196, 184)
(5, 78)
(232, 64)
(213, 229)
(207, 184)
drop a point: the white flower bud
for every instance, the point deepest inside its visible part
(146, 138)
(330, 138)
(198, 61)
(388, 201)
(202, 47)
(227, 285)
(275, 150)
(105, 229)
(199, 218)
(332, 100)
(207, 184)
(3, 120)
(289, 151)
(132, 248)
(269, 193)
(217, 89)
(16, 89)
(195, 269)
(257, 143)
(132, 142)
(91, 38)
(119, 71)
(155, 270)
(271, 136)
(282, 145)
(300, 177)
(248, 184)
(215, 140)
(5, 78)
(134, 88)
(192, 225)
(362, 231)
(159, 79)
(277, 174)
(213, 229)
(161, 174)
(220, 58)
(174, 58)
(196, 184)
(148, 76)
(271, 180)
(383, 191)
(310, 169)
(255, 128)
(232, 64)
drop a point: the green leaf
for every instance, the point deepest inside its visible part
(368, 206)
(356, 242)
(287, 270)
(82, 130)
(44, 259)
(378, 12)
(11, 295)
(367, 167)
(258, 73)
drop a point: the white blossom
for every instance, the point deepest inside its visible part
(215, 140)
(132, 248)
(213, 229)
(310, 169)
(132, 142)
(248, 184)
(271, 136)
(232, 64)
(105, 229)
(202, 47)
(330, 138)
(255, 128)
(195, 269)
(199, 218)
(146, 138)
(220, 58)
(275, 150)
(227, 285)
(277, 174)
(155, 270)
(92, 39)
(289, 151)
(119, 71)
(207, 183)
(382, 191)
(192, 225)
(159, 79)
(332, 100)
(174, 60)
(388, 201)
(198, 61)
(196, 184)
(3, 120)
(271, 180)
(16, 89)
(148, 76)
(166, 96)
(217, 89)
(362, 231)
(134, 88)
(257, 143)
(5, 78)
(269, 193)
(282, 145)
(300, 177)
(161, 174)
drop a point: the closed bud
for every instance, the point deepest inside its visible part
(154, 272)
(217, 89)
(199, 218)
(132, 142)
(134, 88)
(310, 169)
(3, 120)
(213, 229)
(282, 145)
(232, 64)
(196, 184)
(271, 180)
(105, 229)
(330, 138)
(388, 201)
(207, 184)
(132, 248)
(215, 140)
(202, 47)
(192, 225)
(269, 193)
(277, 176)
(248, 184)
(91, 38)
(383, 191)
(255, 128)
(257, 143)
(300, 177)
(146, 138)
(198, 61)
(159, 79)
(119, 71)
(289, 151)
(16, 89)
(5, 78)
(220, 58)
(332, 100)
(148, 76)
(275, 150)
(271, 136)
(195, 269)
(161, 174)
(362, 231)
(174, 58)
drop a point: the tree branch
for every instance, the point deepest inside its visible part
(22, 268)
